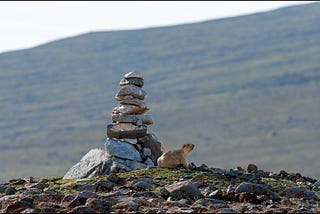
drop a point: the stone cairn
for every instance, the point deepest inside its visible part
(129, 123)
(129, 120)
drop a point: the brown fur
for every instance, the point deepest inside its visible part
(174, 158)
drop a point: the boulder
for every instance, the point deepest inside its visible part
(126, 118)
(130, 90)
(118, 156)
(88, 166)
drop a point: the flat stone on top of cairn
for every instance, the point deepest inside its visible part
(128, 118)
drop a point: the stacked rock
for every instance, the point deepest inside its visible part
(128, 118)
(129, 122)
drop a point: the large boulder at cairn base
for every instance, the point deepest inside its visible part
(89, 165)
(119, 156)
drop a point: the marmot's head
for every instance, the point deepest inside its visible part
(187, 148)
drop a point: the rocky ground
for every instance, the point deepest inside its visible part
(156, 190)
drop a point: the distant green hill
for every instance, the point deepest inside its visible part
(243, 89)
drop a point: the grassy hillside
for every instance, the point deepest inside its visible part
(243, 89)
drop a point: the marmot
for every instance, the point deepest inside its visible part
(174, 158)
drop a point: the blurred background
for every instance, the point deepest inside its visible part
(240, 80)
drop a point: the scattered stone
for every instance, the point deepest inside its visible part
(98, 205)
(18, 181)
(217, 194)
(142, 186)
(40, 185)
(82, 209)
(252, 168)
(10, 191)
(299, 192)
(251, 177)
(30, 210)
(146, 194)
(257, 189)
(127, 205)
(77, 201)
(104, 185)
(198, 180)
(184, 189)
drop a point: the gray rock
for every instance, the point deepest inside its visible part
(82, 209)
(149, 162)
(88, 194)
(129, 165)
(125, 118)
(133, 74)
(100, 206)
(316, 185)
(119, 156)
(252, 168)
(131, 90)
(88, 166)
(125, 131)
(183, 190)
(3, 188)
(104, 185)
(142, 185)
(10, 191)
(299, 192)
(134, 81)
(129, 109)
(150, 141)
(217, 194)
(251, 177)
(257, 189)
(40, 185)
(122, 149)
(133, 101)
